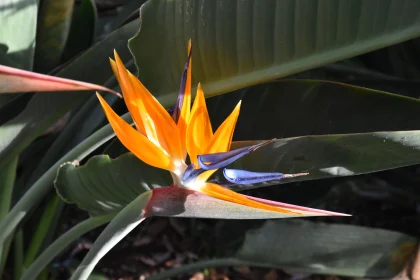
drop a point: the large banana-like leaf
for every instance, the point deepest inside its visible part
(237, 43)
(307, 247)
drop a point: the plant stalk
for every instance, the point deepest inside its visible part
(60, 243)
(18, 255)
(7, 181)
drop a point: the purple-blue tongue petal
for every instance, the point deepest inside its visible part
(238, 176)
(191, 173)
(219, 160)
(178, 105)
(188, 171)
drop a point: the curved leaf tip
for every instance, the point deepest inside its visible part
(13, 80)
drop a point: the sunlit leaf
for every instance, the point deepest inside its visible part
(239, 43)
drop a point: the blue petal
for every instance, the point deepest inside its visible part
(191, 173)
(188, 171)
(178, 105)
(219, 160)
(237, 176)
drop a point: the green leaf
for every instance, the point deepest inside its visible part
(43, 185)
(6, 100)
(11, 105)
(53, 30)
(82, 124)
(45, 108)
(124, 222)
(124, 13)
(241, 43)
(303, 107)
(329, 156)
(39, 235)
(400, 57)
(17, 48)
(18, 254)
(7, 182)
(305, 247)
(82, 29)
(99, 178)
(61, 243)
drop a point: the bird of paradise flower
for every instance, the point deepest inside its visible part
(164, 140)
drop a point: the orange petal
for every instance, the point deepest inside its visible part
(222, 193)
(223, 136)
(129, 99)
(203, 177)
(199, 131)
(158, 124)
(114, 69)
(167, 133)
(136, 142)
(184, 116)
(134, 98)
